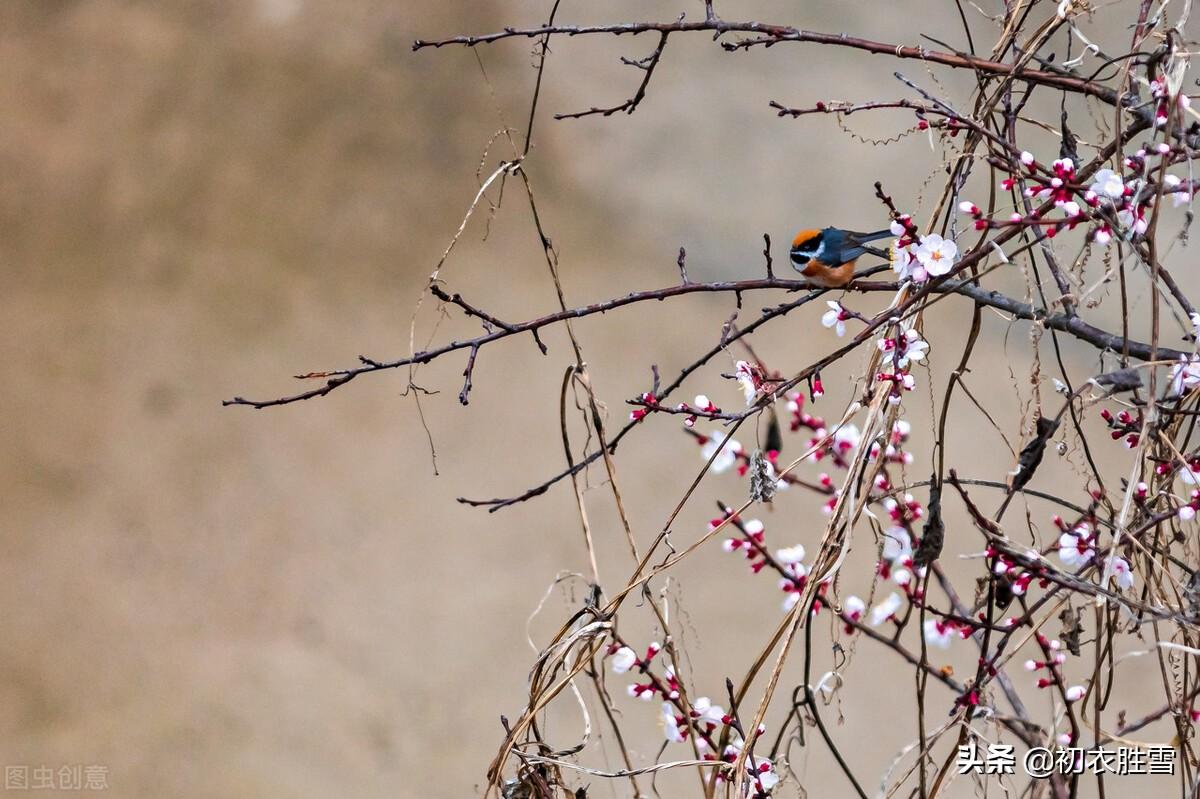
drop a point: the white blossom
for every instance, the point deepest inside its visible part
(623, 660)
(938, 633)
(707, 713)
(1122, 575)
(833, 318)
(897, 544)
(1137, 224)
(670, 724)
(1190, 473)
(936, 255)
(767, 777)
(745, 377)
(1075, 548)
(903, 260)
(847, 437)
(886, 609)
(727, 456)
(1107, 183)
(791, 554)
(1185, 375)
(1178, 198)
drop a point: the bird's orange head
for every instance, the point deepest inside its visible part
(805, 237)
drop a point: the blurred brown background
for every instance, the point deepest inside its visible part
(203, 198)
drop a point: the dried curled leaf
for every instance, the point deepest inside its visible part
(1031, 455)
(762, 478)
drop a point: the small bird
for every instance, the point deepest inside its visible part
(826, 257)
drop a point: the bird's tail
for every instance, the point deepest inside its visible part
(878, 234)
(860, 240)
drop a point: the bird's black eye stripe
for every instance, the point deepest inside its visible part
(799, 257)
(808, 246)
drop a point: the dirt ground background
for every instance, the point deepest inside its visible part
(203, 198)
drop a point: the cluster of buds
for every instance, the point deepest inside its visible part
(760, 770)
(1111, 198)
(899, 543)
(1138, 163)
(1124, 426)
(893, 452)
(703, 405)
(800, 418)
(650, 403)
(1056, 659)
(1057, 188)
(904, 512)
(1016, 578)
(838, 447)
(668, 686)
(750, 541)
(787, 562)
(704, 720)
(1058, 184)
(899, 381)
(793, 582)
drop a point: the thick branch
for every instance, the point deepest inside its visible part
(1069, 324)
(774, 34)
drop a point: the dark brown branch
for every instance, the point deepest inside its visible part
(850, 108)
(647, 65)
(464, 395)
(774, 34)
(498, 503)
(471, 310)
(1070, 324)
